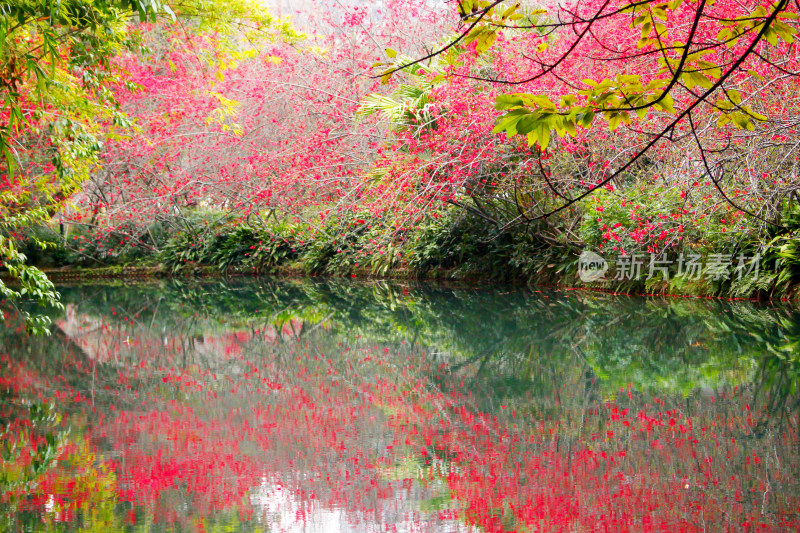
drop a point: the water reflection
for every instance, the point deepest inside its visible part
(288, 406)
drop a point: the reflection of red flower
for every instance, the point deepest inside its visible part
(632, 477)
(193, 442)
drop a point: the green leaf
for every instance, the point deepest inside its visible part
(694, 78)
(742, 120)
(784, 31)
(771, 36)
(543, 133)
(505, 101)
(709, 68)
(508, 122)
(724, 104)
(569, 126)
(724, 34)
(6, 151)
(753, 114)
(510, 11)
(476, 32)
(168, 10)
(613, 118)
(541, 102)
(526, 124)
(486, 40)
(660, 11)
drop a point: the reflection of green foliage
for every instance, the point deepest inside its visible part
(514, 344)
(42, 419)
(84, 486)
(675, 346)
(506, 339)
(530, 355)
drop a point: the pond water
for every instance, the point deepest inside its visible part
(259, 405)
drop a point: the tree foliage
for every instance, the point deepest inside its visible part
(59, 81)
(698, 74)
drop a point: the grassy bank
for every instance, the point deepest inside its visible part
(453, 244)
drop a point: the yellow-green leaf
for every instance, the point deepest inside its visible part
(771, 36)
(510, 11)
(666, 103)
(569, 126)
(486, 41)
(613, 118)
(757, 116)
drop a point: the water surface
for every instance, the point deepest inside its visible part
(323, 407)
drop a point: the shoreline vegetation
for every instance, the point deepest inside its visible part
(453, 248)
(144, 274)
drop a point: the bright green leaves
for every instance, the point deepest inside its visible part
(386, 76)
(535, 116)
(694, 78)
(406, 108)
(664, 103)
(507, 101)
(660, 11)
(509, 122)
(485, 37)
(536, 124)
(779, 29)
(692, 70)
(735, 112)
(618, 100)
(484, 20)
(147, 9)
(472, 11)
(398, 63)
(483, 17)
(33, 283)
(615, 117)
(740, 119)
(511, 13)
(754, 22)
(60, 53)
(649, 19)
(734, 96)
(488, 18)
